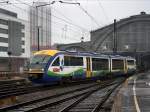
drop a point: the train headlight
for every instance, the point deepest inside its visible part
(42, 69)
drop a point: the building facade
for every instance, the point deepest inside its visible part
(132, 37)
(14, 41)
(40, 26)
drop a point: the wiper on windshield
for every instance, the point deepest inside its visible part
(44, 58)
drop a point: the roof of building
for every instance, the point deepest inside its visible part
(141, 15)
(6, 12)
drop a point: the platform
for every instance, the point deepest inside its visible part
(134, 96)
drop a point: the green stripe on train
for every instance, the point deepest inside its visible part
(77, 72)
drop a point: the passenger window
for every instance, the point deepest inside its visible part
(56, 62)
(99, 64)
(130, 62)
(117, 64)
(73, 61)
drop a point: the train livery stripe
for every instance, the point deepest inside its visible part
(79, 72)
(47, 52)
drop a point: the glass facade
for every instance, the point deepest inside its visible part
(40, 20)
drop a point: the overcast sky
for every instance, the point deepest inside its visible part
(101, 12)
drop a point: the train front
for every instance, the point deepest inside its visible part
(38, 63)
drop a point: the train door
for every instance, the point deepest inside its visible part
(88, 67)
(125, 66)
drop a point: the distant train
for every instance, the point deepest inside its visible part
(51, 66)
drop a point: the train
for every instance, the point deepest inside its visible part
(53, 66)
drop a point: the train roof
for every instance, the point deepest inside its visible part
(53, 52)
(130, 58)
(46, 52)
(81, 53)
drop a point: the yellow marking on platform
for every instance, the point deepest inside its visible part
(126, 83)
(135, 98)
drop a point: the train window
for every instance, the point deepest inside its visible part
(39, 59)
(46, 58)
(56, 62)
(130, 62)
(117, 64)
(73, 61)
(99, 64)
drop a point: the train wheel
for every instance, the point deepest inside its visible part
(62, 81)
(65, 80)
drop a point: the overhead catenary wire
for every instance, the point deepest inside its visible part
(44, 18)
(64, 17)
(62, 14)
(69, 28)
(89, 15)
(83, 29)
(106, 16)
(29, 21)
(69, 22)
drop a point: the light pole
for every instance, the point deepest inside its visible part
(115, 38)
(38, 27)
(9, 61)
(38, 36)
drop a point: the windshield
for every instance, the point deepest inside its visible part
(39, 59)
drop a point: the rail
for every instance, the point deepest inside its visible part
(39, 104)
(99, 105)
(50, 100)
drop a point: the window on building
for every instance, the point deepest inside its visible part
(22, 26)
(99, 64)
(3, 31)
(117, 64)
(3, 48)
(23, 51)
(56, 62)
(4, 22)
(130, 62)
(73, 61)
(23, 42)
(22, 35)
(5, 40)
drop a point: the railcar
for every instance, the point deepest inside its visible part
(52, 66)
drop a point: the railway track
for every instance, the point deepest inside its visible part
(15, 87)
(92, 101)
(19, 91)
(76, 95)
(9, 83)
(19, 88)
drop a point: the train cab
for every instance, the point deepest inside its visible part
(131, 65)
(38, 63)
